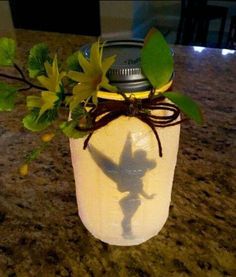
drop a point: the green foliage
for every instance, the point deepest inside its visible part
(33, 101)
(73, 62)
(186, 105)
(39, 54)
(41, 115)
(7, 51)
(78, 112)
(156, 59)
(48, 101)
(33, 155)
(157, 64)
(34, 123)
(7, 97)
(69, 129)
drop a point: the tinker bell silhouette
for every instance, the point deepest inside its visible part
(128, 177)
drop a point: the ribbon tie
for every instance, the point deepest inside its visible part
(110, 110)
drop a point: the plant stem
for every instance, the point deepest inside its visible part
(19, 70)
(26, 88)
(25, 80)
(21, 79)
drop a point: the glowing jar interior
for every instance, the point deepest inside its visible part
(123, 187)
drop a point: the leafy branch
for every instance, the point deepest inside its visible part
(21, 79)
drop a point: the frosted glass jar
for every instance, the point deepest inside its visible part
(123, 186)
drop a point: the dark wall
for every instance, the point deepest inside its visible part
(63, 16)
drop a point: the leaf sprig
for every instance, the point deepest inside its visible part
(158, 66)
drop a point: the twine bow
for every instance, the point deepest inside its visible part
(110, 110)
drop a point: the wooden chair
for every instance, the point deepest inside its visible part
(195, 18)
(231, 40)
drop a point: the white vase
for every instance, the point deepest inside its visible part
(123, 187)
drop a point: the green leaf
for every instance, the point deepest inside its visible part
(30, 122)
(49, 100)
(68, 128)
(156, 59)
(33, 155)
(7, 51)
(186, 105)
(39, 54)
(78, 112)
(33, 101)
(33, 123)
(73, 62)
(7, 97)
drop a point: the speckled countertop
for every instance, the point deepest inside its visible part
(40, 231)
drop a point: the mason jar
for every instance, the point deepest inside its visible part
(123, 185)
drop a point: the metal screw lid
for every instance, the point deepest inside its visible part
(125, 73)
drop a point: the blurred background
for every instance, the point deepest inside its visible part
(187, 22)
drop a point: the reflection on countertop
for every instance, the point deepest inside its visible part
(41, 233)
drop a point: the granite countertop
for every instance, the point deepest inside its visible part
(40, 231)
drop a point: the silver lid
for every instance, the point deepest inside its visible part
(125, 73)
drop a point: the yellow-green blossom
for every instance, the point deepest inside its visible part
(93, 77)
(52, 83)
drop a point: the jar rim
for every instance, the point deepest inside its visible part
(138, 94)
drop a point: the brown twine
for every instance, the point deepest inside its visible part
(109, 110)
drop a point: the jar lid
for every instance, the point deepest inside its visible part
(125, 73)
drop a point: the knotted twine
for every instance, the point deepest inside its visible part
(109, 110)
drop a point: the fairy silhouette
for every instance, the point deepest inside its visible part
(128, 177)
